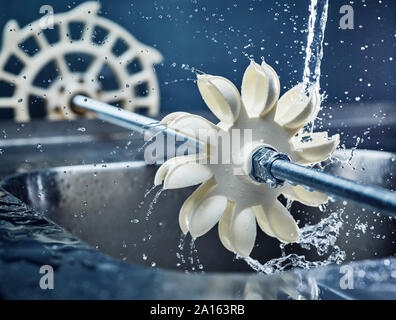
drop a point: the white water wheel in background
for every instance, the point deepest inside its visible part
(83, 54)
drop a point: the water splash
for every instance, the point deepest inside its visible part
(321, 236)
(314, 52)
(361, 226)
(149, 190)
(187, 256)
(152, 203)
(176, 81)
(314, 49)
(353, 149)
(180, 255)
(194, 258)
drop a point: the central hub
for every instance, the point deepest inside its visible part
(63, 91)
(261, 161)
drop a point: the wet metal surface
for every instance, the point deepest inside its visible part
(28, 241)
(89, 202)
(108, 207)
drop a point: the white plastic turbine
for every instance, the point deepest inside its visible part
(237, 201)
(131, 66)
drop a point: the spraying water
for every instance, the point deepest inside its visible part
(314, 52)
(314, 49)
(321, 236)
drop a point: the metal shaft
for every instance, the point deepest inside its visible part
(130, 120)
(117, 116)
(374, 197)
(267, 164)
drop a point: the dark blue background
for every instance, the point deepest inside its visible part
(212, 35)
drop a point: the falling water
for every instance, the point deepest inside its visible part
(194, 258)
(314, 49)
(180, 255)
(149, 190)
(152, 203)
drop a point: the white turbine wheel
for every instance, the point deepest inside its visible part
(129, 61)
(236, 201)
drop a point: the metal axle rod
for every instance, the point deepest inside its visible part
(276, 168)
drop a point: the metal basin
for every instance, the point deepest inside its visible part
(107, 206)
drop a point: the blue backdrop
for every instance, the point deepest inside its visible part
(217, 36)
